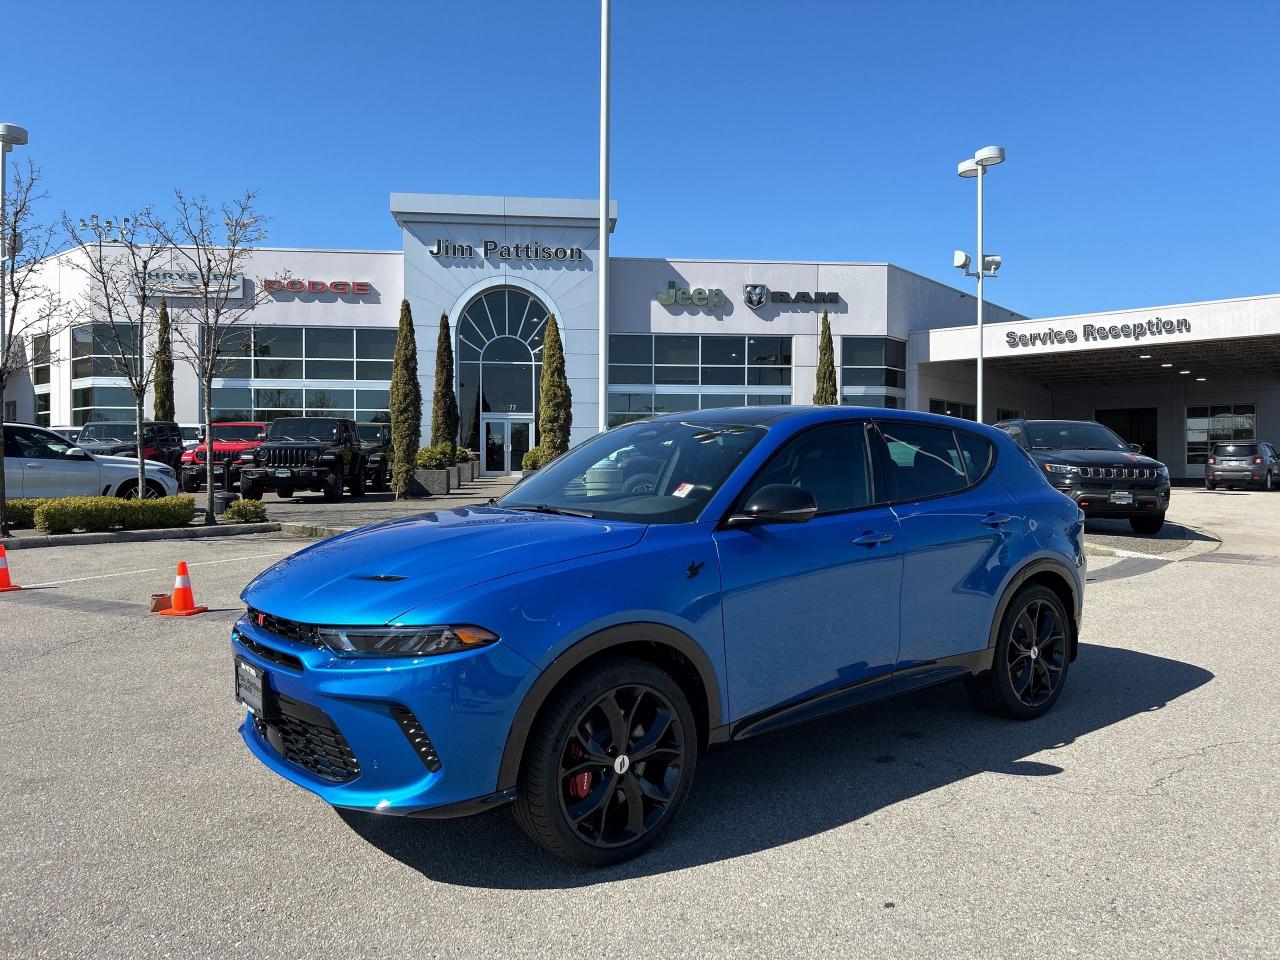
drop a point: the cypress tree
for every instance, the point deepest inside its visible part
(555, 411)
(444, 402)
(162, 404)
(406, 404)
(825, 393)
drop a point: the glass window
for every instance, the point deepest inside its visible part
(40, 375)
(872, 400)
(626, 407)
(234, 369)
(922, 461)
(723, 350)
(675, 375)
(373, 370)
(43, 401)
(330, 342)
(1208, 425)
(102, 397)
(329, 400)
(274, 369)
(873, 377)
(507, 387)
(976, 453)
(682, 466)
(671, 348)
(624, 374)
(862, 352)
(724, 375)
(712, 400)
(269, 416)
(769, 351)
(376, 344)
(274, 398)
(376, 399)
(829, 462)
(949, 408)
(277, 342)
(1008, 413)
(235, 342)
(329, 369)
(768, 399)
(627, 348)
(674, 402)
(769, 376)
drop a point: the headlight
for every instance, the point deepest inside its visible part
(1060, 468)
(405, 641)
(165, 471)
(311, 456)
(326, 457)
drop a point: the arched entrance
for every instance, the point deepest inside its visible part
(499, 351)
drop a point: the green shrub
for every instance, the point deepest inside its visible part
(21, 514)
(245, 511)
(438, 456)
(538, 457)
(96, 514)
(464, 456)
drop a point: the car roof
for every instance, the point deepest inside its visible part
(239, 423)
(766, 416)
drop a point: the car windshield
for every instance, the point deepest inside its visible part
(108, 431)
(190, 433)
(303, 428)
(1072, 435)
(1235, 450)
(371, 431)
(651, 472)
(236, 431)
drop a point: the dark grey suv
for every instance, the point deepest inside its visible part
(1242, 463)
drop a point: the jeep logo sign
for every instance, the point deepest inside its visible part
(712, 298)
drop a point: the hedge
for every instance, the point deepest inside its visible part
(245, 511)
(438, 456)
(94, 514)
(538, 457)
(464, 456)
(21, 514)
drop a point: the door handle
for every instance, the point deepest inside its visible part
(870, 538)
(33, 466)
(996, 520)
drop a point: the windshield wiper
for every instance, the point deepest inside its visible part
(560, 511)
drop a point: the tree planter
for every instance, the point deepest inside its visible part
(455, 477)
(432, 483)
(474, 466)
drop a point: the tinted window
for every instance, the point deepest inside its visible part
(1072, 435)
(829, 462)
(1235, 450)
(922, 461)
(35, 444)
(304, 429)
(976, 453)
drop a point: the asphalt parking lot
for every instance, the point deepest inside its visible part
(1138, 819)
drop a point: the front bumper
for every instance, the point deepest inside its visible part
(197, 470)
(286, 476)
(1095, 499)
(338, 730)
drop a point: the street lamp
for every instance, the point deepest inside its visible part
(988, 265)
(11, 135)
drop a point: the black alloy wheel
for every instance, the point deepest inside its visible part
(1031, 657)
(608, 768)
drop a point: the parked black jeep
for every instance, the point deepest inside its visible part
(1107, 477)
(375, 438)
(321, 454)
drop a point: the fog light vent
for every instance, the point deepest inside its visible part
(417, 737)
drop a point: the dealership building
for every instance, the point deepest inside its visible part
(681, 335)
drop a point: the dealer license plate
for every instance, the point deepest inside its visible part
(1121, 496)
(249, 685)
(282, 473)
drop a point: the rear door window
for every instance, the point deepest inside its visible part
(920, 461)
(976, 453)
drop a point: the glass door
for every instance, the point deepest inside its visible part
(505, 444)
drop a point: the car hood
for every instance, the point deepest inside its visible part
(376, 574)
(229, 446)
(127, 464)
(93, 446)
(1095, 458)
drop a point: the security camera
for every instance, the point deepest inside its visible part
(961, 260)
(991, 265)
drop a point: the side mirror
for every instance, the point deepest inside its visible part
(262, 435)
(75, 453)
(1135, 447)
(775, 503)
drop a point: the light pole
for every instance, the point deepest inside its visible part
(975, 168)
(602, 268)
(11, 135)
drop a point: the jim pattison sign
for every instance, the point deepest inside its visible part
(1097, 332)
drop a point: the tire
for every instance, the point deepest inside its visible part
(1269, 484)
(623, 813)
(381, 481)
(332, 490)
(995, 691)
(1210, 485)
(358, 481)
(1147, 526)
(285, 493)
(190, 484)
(129, 490)
(250, 490)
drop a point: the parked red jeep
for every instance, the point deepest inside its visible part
(229, 441)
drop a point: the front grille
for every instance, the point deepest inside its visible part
(306, 737)
(417, 737)
(270, 654)
(284, 456)
(280, 627)
(1119, 473)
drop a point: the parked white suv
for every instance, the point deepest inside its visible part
(39, 463)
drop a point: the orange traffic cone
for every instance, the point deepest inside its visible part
(5, 584)
(184, 602)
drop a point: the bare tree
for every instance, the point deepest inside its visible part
(31, 309)
(122, 299)
(214, 243)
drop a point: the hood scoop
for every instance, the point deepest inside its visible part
(381, 578)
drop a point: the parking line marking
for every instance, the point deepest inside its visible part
(130, 573)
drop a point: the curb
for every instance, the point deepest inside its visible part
(137, 536)
(313, 532)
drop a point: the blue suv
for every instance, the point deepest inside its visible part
(670, 585)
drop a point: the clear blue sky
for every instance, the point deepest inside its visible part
(1142, 137)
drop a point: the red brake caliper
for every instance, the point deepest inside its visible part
(579, 784)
